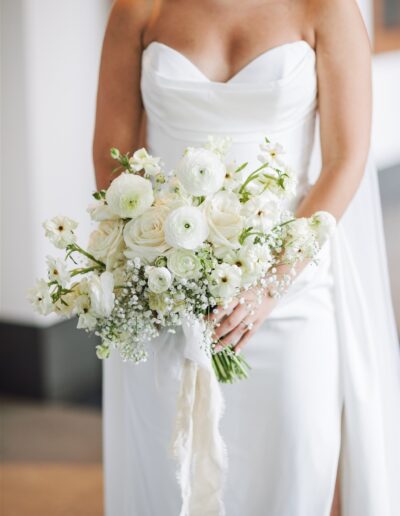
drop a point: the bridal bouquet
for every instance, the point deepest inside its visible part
(169, 247)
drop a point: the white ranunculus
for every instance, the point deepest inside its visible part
(144, 236)
(60, 231)
(223, 214)
(184, 263)
(142, 160)
(101, 293)
(186, 227)
(40, 298)
(58, 271)
(262, 212)
(200, 171)
(99, 211)
(225, 281)
(129, 195)
(159, 279)
(106, 243)
(323, 224)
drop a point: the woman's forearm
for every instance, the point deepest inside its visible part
(334, 189)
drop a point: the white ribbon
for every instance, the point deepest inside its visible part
(196, 441)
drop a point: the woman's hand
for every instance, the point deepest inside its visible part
(241, 319)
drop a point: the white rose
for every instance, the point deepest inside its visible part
(60, 231)
(323, 224)
(225, 281)
(40, 298)
(224, 220)
(99, 211)
(184, 264)
(129, 195)
(106, 242)
(57, 270)
(144, 236)
(200, 171)
(159, 279)
(101, 293)
(186, 227)
(141, 160)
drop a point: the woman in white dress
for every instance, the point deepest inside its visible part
(322, 405)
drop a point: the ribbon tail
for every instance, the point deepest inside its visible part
(197, 443)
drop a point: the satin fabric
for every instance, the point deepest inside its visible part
(329, 349)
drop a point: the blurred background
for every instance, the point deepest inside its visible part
(50, 379)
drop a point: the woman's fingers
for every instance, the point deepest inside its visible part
(219, 312)
(245, 338)
(231, 321)
(234, 336)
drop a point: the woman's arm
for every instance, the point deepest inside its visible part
(344, 102)
(119, 112)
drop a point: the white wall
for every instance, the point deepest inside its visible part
(386, 86)
(50, 52)
(386, 117)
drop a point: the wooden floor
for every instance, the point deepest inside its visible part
(50, 460)
(51, 489)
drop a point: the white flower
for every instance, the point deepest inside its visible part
(186, 227)
(184, 264)
(106, 242)
(99, 211)
(225, 281)
(144, 236)
(60, 231)
(233, 178)
(218, 144)
(87, 321)
(101, 293)
(159, 279)
(129, 195)
(224, 220)
(323, 224)
(262, 212)
(141, 160)
(57, 270)
(271, 153)
(40, 298)
(299, 242)
(200, 171)
(253, 260)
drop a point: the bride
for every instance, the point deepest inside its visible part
(314, 430)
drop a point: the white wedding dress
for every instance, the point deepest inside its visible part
(329, 345)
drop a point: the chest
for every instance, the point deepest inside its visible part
(221, 39)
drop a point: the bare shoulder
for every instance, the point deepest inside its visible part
(128, 15)
(339, 18)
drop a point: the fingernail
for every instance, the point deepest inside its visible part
(237, 351)
(217, 348)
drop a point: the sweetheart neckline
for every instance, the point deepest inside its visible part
(241, 70)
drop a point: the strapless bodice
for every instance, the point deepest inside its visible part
(274, 95)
